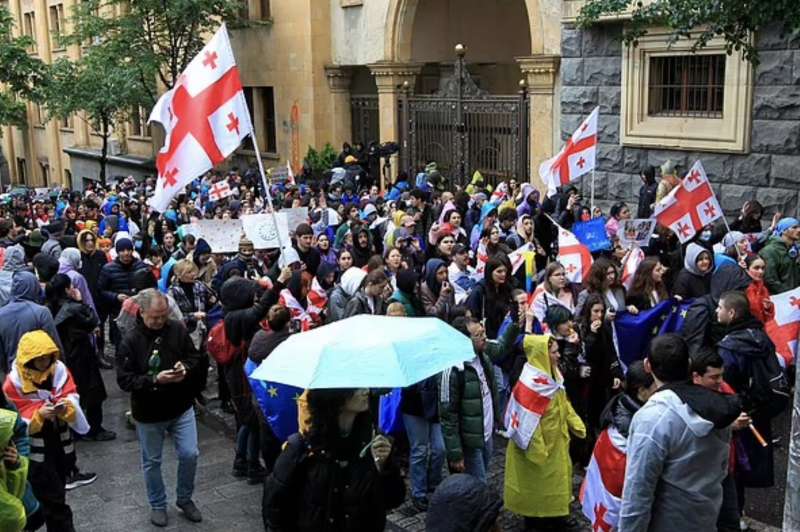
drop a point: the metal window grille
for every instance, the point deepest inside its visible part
(365, 118)
(686, 86)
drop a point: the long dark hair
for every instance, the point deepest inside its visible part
(597, 275)
(643, 283)
(56, 291)
(586, 312)
(324, 406)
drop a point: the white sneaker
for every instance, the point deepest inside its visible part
(502, 433)
(743, 524)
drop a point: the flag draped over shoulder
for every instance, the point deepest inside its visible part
(636, 331)
(528, 403)
(601, 491)
(205, 118)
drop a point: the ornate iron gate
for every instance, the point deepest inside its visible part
(464, 129)
(365, 120)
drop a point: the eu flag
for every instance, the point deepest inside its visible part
(592, 234)
(278, 403)
(634, 332)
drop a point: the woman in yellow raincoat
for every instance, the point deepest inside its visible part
(13, 476)
(538, 480)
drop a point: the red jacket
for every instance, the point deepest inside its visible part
(760, 305)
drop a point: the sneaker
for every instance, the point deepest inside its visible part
(420, 504)
(190, 511)
(239, 467)
(103, 435)
(158, 517)
(743, 524)
(502, 433)
(78, 479)
(129, 422)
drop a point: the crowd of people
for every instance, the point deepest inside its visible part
(692, 419)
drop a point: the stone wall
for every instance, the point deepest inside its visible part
(591, 74)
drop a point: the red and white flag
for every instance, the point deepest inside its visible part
(576, 158)
(574, 256)
(785, 328)
(205, 118)
(528, 403)
(601, 491)
(290, 173)
(630, 263)
(690, 206)
(219, 191)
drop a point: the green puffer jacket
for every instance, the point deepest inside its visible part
(782, 272)
(460, 401)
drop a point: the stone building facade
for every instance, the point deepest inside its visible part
(767, 170)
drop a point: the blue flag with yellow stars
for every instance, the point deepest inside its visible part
(634, 332)
(278, 403)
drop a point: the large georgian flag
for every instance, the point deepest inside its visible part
(574, 256)
(575, 159)
(528, 403)
(205, 118)
(690, 206)
(601, 491)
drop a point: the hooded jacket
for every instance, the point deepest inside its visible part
(462, 503)
(782, 272)
(69, 263)
(435, 302)
(91, 264)
(21, 315)
(677, 458)
(538, 480)
(117, 278)
(14, 261)
(14, 488)
(350, 283)
(691, 282)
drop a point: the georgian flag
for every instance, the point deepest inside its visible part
(785, 328)
(205, 118)
(219, 191)
(574, 256)
(601, 490)
(528, 403)
(575, 159)
(630, 263)
(690, 206)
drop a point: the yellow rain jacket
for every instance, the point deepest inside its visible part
(538, 480)
(476, 183)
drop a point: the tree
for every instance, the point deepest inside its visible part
(21, 74)
(105, 89)
(156, 39)
(701, 20)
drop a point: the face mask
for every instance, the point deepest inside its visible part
(705, 235)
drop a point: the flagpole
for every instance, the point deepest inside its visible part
(591, 215)
(265, 184)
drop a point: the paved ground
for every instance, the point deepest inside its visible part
(116, 502)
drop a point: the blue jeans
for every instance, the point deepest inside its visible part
(427, 454)
(247, 444)
(503, 393)
(476, 461)
(151, 439)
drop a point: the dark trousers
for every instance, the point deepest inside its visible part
(729, 511)
(224, 393)
(94, 416)
(48, 482)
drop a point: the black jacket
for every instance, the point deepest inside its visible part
(91, 264)
(116, 278)
(330, 489)
(75, 322)
(647, 197)
(151, 402)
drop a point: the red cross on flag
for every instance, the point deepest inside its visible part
(785, 328)
(601, 491)
(690, 206)
(205, 118)
(574, 256)
(630, 263)
(219, 191)
(528, 402)
(575, 159)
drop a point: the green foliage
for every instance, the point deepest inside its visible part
(21, 74)
(320, 161)
(701, 20)
(156, 39)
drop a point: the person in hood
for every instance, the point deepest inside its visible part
(487, 220)
(677, 448)
(370, 298)
(23, 314)
(538, 477)
(435, 292)
(54, 232)
(14, 262)
(343, 292)
(780, 254)
(463, 504)
(203, 259)
(647, 192)
(694, 280)
(69, 263)
(41, 388)
(751, 368)
(45, 267)
(323, 481)
(700, 327)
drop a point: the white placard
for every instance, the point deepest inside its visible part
(637, 231)
(222, 235)
(261, 229)
(295, 217)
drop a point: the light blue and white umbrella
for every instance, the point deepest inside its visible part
(366, 352)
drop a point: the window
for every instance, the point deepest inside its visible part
(675, 98)
(29, 28)
(686, 85)
(263, 117)
(38, 115)
(270, 140)
(22, 174)
(66, 122)
(263, 9)
(68, 176)
(45, 169)
(56, 24)
(139, 125)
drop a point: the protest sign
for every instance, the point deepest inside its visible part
(295, 217)
(279, 174)
(222, 235)
(637, 231)
(592, 234)
(262, 230)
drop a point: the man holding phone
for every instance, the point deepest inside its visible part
(156, 358)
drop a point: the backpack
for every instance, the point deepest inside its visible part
(219, 347)
(769, 387)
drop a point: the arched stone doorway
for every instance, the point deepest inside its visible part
(498, 39)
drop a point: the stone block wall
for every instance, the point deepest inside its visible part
(591, 75)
